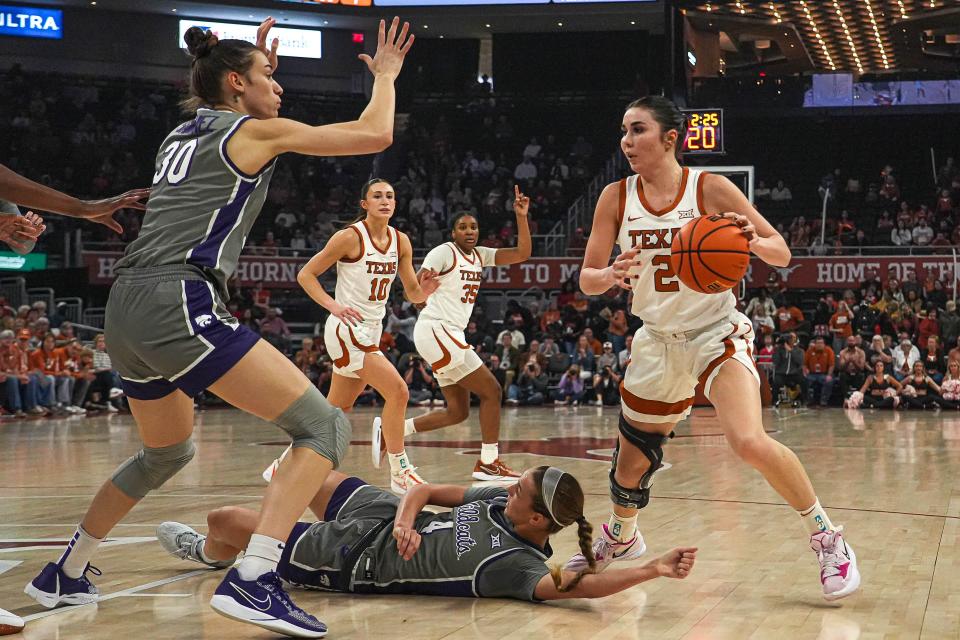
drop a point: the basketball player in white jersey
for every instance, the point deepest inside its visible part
(687, 337)
(439, 336)
(369, 254)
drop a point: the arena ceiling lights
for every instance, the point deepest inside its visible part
(854, 35)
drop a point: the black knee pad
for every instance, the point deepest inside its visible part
(651, 445)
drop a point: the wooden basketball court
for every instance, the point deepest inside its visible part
(890, 479)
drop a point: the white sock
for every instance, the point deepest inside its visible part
(78, 553)
(489, 453)
(408, 428)
(816, 519)
(622, 529)
(398, 462)
(200, 553)
(262, 556)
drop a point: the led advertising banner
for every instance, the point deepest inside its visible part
(298, 43)
(31, 22)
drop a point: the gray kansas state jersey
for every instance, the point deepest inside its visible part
(471, 551)
(202, 206)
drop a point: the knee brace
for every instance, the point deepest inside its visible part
(651, 445)
(314, 423)
(150, 467)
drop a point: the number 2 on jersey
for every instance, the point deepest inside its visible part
(379, 288)
(664, 278)
(470, 292)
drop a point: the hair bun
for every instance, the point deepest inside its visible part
(200, 41)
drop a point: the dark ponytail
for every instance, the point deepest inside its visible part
(667, 115)
(212, 59)
(567, 508)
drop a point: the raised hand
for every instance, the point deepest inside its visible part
(262, 32)
(391, 49)
(521, 202)
(101, 211)
(429, 281)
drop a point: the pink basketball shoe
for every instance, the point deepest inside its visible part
(838, 564)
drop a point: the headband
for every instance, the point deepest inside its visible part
(551, 478)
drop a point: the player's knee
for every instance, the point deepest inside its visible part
(315, 424)
(151, 467)
(395, 391)
(458, 413)
(752, 449)
(492, 392)
(219, 519)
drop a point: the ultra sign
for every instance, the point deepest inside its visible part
(31, 22)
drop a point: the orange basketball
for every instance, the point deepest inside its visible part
(710, 254)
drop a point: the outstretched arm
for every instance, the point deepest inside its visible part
(521, 252)
(675, 564)
(27, 193)
(416, 287)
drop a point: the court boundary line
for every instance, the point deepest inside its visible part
(933, 575)
(118, 594)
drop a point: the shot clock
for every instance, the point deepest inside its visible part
(704, 131)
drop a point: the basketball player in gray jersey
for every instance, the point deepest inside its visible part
(494, 543)
(170, 335)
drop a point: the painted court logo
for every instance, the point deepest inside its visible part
(465, 516)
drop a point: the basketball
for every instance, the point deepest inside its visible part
(710, 254)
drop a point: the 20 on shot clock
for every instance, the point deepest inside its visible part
(704, 131)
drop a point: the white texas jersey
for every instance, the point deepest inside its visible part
(460, 275)
(659, 298)
(364, 283)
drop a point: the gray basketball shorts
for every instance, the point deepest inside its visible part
(167, 329)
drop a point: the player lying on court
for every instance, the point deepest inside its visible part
(493, 544)
(440, 340)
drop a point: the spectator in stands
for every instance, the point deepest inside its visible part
(583, 356)
(525, 171)
(532, 353)
(928, 325)
(841, 326)
(79, 363)
(419, 381)
(788, 366)
(762, 299)
(550, 319)
(473, 335)
(932, 358)
(606, 385)
(512, 329)
(21, 389)
(46, 396)
(274, 330)
(624, 356)
(595, 344)
(493, 364)
(577, 243)
(306, 360)
(903, 358)
(105, 391)
(608, 358)
(926, 392)
(761, 192)
(818, 367)
(549, 348)
(763, 324)
(570, 388)
(852, 363)
(883, 228)
(902, 236)
(764, 357)
(400, 324)
(617, 330)
(530, 387)
(50, 360)
(508, 356)
(922, 233)
(790, 318)
(949, 323)
(880, 353)
(781, 193)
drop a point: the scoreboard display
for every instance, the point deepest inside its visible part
(704, 131)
